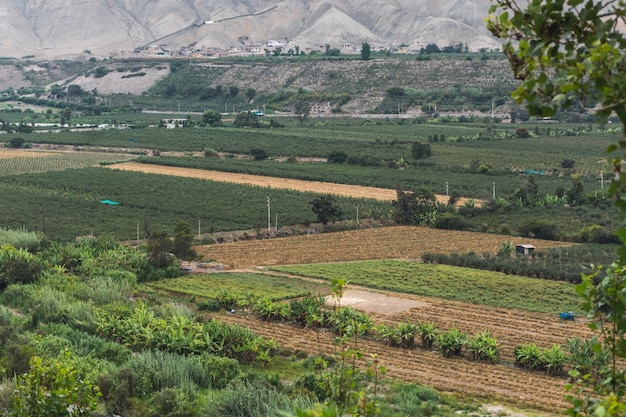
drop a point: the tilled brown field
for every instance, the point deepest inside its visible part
(501, 381)
(397, 242)
(342, 190)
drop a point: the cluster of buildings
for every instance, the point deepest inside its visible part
(249, 48)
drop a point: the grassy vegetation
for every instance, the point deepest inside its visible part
(454, 283)
(272, 287)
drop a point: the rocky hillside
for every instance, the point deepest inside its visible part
(50, 29)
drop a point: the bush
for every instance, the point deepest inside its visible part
(337, 157)
(540, 229)
(449, 221)
(259, 154)
(18, 266)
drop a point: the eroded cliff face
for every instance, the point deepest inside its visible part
(70, 28)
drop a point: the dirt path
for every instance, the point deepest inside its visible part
(343, 190)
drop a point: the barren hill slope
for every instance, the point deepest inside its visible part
(66, 28)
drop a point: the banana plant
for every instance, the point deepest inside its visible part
(428, 334)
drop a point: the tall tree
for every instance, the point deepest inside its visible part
(212, 118)
(159, 246)
(326, 208)
(302, 110)
(571, 52)
(182, 246)
(366, 51)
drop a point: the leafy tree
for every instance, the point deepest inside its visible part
(159, 246)
(233, 90)
(259, 154)
(568, 163)
(246, 119)
(53, 389)
(250, 93)
(420, 150)
(212, 118)
(302, 110)
(568, 53)
(182, 246)
(575, 195)
(366, 51)
(100, 72)
(16, 143)
(326, 208)
(66, 115)
(75, 90)
(413, 207)
(176, 65)
(337, 157)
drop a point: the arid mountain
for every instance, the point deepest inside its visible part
(71, 29)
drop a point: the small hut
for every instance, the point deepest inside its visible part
(524, 249)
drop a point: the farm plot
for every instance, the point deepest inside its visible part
(260, 285)
(17, 162)
(448, 282)
(501, 381)
(399, 242)
(343, 190)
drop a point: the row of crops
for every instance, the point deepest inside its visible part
(41, 202)
(23, 163)
(312, 312)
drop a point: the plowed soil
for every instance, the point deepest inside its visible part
(398, 242)
(502, 381)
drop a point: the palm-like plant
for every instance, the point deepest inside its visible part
(428, 334)
(451, 342)
(483, 347)
(406, 334)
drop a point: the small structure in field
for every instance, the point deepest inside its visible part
(524, 249)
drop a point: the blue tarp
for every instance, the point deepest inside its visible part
(533, 172)
(109, 202)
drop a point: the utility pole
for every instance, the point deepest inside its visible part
(494, 190)
(447, 190)
(269, 219)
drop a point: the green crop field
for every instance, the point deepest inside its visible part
(454, 283)
(240, 284)
(66, 204)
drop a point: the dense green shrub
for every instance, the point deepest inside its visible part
(256, 400)
(20, 239)
(532, 357)
(540, 229)
(18, 266)
(156, 370)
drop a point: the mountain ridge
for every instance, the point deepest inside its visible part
(54, 29)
